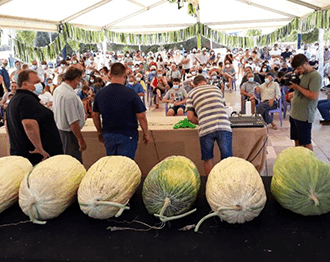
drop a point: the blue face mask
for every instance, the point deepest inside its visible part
(159, 75)
(176, 86)
(214, 77)
(39, 88)
(154, 72)
(267, 81)
(251, 79)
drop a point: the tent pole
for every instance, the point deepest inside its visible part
(199, 37)
(321, 52)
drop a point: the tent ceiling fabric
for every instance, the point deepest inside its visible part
(146, 16)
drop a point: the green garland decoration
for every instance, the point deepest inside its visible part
(317, 19)
(191, 9)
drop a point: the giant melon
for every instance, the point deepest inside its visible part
(171, 188)
(50, 187)
(235, 191)
(12, 171)
(301, 182)
(107, 186)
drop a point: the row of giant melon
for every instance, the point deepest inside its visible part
(234, 188)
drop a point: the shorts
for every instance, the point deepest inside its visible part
(301, 131)
(224, 141)
(176, 108)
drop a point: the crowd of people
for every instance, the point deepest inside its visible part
(73, 89)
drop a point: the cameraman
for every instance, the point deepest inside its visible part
(304, 102)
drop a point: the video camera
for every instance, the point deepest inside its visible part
(288, 79)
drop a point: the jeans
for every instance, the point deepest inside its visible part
(324, 107)
(264, 108)
(224, 140)
(118, 144)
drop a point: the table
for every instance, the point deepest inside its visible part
(248, 143)
(275, 235)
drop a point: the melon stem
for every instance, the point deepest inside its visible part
(204, 218)
(165, 219)
(216, 213)
(167, 202)
(113, 204)
(315, 199)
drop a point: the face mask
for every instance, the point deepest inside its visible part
(214, 77)
(176, 86)
(131, 83)
(267, 81)
(264, 69)
(250, 62)
(138, 79)
(193, 73)
(92, 80)
(154, 72)
(212, 53)
(5, 64)
(251, 79)
(34, 67)
(127, 55)
(74, 62)
(39, 88)
(227, 65)
(62, 65)
(159, 75)
(17, 67)
(44, 66)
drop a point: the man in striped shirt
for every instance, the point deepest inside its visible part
(206, 107)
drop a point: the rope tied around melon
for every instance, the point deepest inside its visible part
(217, 213)
(113, 204)
(164, 219)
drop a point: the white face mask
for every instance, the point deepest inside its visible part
(138, 79)
(267, 81)
(227, 65)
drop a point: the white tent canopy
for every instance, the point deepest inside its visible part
(149, 16)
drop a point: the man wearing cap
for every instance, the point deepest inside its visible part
(269, 95)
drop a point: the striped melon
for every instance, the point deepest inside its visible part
(171, 188)
(235, 191)
(301, 182)
(12, 171)
(107, 186)
(50, 187)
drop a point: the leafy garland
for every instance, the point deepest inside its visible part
(317, 19)
(193, 6)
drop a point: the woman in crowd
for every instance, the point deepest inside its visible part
(159, 85)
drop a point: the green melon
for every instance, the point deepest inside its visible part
(301, 182)
(171, 187)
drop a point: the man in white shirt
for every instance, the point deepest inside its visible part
(69, 113)
(275, 52)
(203, 57)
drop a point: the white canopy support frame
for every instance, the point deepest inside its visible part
(108, 26)
(84, 11)
(267, 8)
(2, 2)
(302, 3)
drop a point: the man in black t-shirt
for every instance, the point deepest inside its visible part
(31, 127)
(121, 109)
